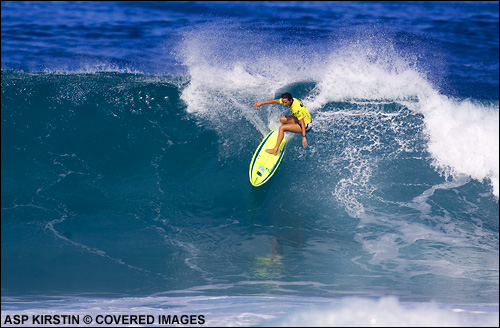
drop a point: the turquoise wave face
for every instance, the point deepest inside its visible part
(116, 183)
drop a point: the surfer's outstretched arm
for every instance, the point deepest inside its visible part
(266, 102)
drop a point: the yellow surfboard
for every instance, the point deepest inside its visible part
(263, 164)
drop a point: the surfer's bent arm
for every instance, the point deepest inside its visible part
(266, 102)
(303, 128)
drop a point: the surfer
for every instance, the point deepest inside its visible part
(299, 122)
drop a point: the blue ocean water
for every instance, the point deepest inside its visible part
(127, 131)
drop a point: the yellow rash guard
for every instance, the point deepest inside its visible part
(299, 110)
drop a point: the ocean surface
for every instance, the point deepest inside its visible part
(128, 128)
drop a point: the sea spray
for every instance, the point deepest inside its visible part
(463, 137)
(226, 80)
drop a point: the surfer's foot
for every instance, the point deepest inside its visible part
(272, 151)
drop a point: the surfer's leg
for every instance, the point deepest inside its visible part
(284, 127)
(289, 119)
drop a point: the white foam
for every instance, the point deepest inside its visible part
(368, 72)
(463, 137)
(230, 68)
(268, 311)
(388, 312)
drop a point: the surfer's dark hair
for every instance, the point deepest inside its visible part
(287, 95)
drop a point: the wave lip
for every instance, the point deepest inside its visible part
(463, 138)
